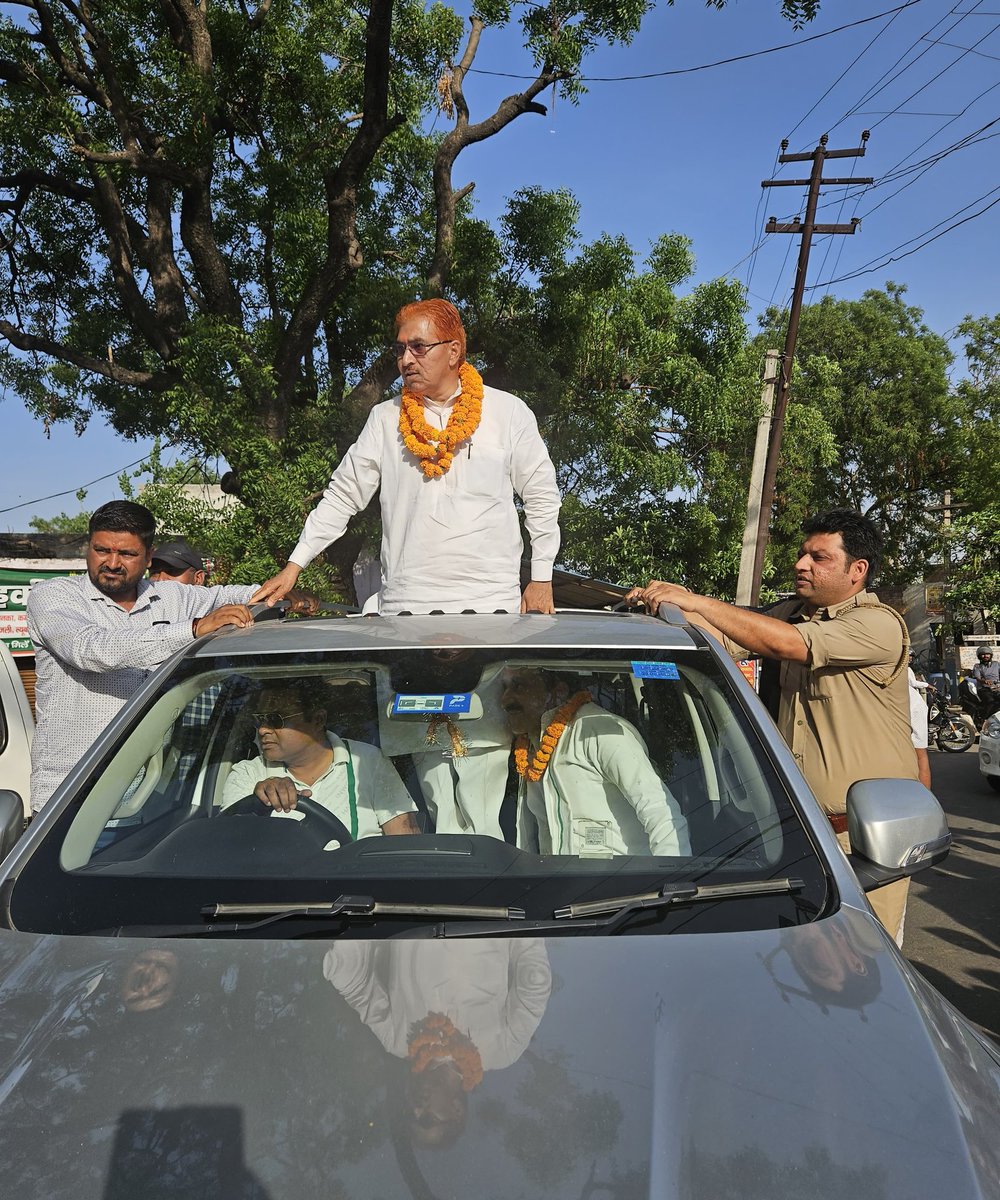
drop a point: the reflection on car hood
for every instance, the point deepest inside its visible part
(803, 1063)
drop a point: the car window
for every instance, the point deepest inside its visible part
(547, 776)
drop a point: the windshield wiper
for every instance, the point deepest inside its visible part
(608, 916)
(347, 908)
(622, 908)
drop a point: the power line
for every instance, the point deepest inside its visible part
(722, 62)
(853, 63)
(80, 487)
(934, 78)
(891, 256)
(887, 77)
(918, 169)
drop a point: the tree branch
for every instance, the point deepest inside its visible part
(464, 134)
(344, 255)
(158, 382)
(160, 259)
(372, 386)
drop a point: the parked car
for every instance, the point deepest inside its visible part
(16, 728)
(989, 751)
(657, 977)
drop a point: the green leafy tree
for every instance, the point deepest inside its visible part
(872, 424)
(974, 541)
(641, 390)
(209, 210)
(64, 522)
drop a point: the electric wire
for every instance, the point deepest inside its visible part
(890, 256)
(935, 78)
(854, 61)
(722, 62)
(78, 488)
(887, 77)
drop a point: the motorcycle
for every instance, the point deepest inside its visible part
(978, 700)
(949, 731)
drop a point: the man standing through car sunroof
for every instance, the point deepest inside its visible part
(449, 454)
(844, 707)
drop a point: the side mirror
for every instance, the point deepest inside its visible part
(11, 820)
(896, 827)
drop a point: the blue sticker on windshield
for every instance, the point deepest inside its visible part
(439, 702)
(655, 670)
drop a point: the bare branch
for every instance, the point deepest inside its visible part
(260, 15)
(464, 135)
(160, 259)
(372, 386)
(29, 180)
(99, 366)
(136, 159)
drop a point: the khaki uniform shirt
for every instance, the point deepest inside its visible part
(845, 712)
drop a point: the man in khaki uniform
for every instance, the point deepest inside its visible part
(844, 707)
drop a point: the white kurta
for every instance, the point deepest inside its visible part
(455, 542)
(464, 793)
(600, 795)
(493, 991)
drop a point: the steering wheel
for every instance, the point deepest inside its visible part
(316, 815)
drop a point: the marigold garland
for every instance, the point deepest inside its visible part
(458, 746)
(435, 448)
(434, 1038)
(550, 739)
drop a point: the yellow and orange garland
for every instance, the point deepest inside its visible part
(458, 746)
(435, 448)
(436, 1037)
(550, 739)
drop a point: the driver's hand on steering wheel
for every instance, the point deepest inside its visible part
(279, 793)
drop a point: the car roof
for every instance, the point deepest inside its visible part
(573, 629)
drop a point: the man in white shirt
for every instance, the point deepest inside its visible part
(300, 757)
(448, 456)
(588, 785)
(452, 1009)
(97, 636)
(918, 721)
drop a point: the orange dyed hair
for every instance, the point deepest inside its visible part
(442, 315)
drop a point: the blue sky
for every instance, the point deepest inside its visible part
(687, 152)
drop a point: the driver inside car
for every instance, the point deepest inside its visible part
(301, 757)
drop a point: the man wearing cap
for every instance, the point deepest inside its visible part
(177, 561)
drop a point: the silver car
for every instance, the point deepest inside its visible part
(484, 905)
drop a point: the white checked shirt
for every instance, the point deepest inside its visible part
(91, 655)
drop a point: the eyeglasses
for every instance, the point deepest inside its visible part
(417, 349)
(273, 720)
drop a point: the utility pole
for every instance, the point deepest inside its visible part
(744, 584)
(805, 229)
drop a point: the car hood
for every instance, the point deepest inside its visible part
(808, 1062)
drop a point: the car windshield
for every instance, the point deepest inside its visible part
(520, 782)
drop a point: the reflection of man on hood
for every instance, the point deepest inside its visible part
(451, 1009)
(836, 959)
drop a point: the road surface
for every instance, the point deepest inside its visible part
(952, 932)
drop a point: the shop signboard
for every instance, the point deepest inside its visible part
(15, 587)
